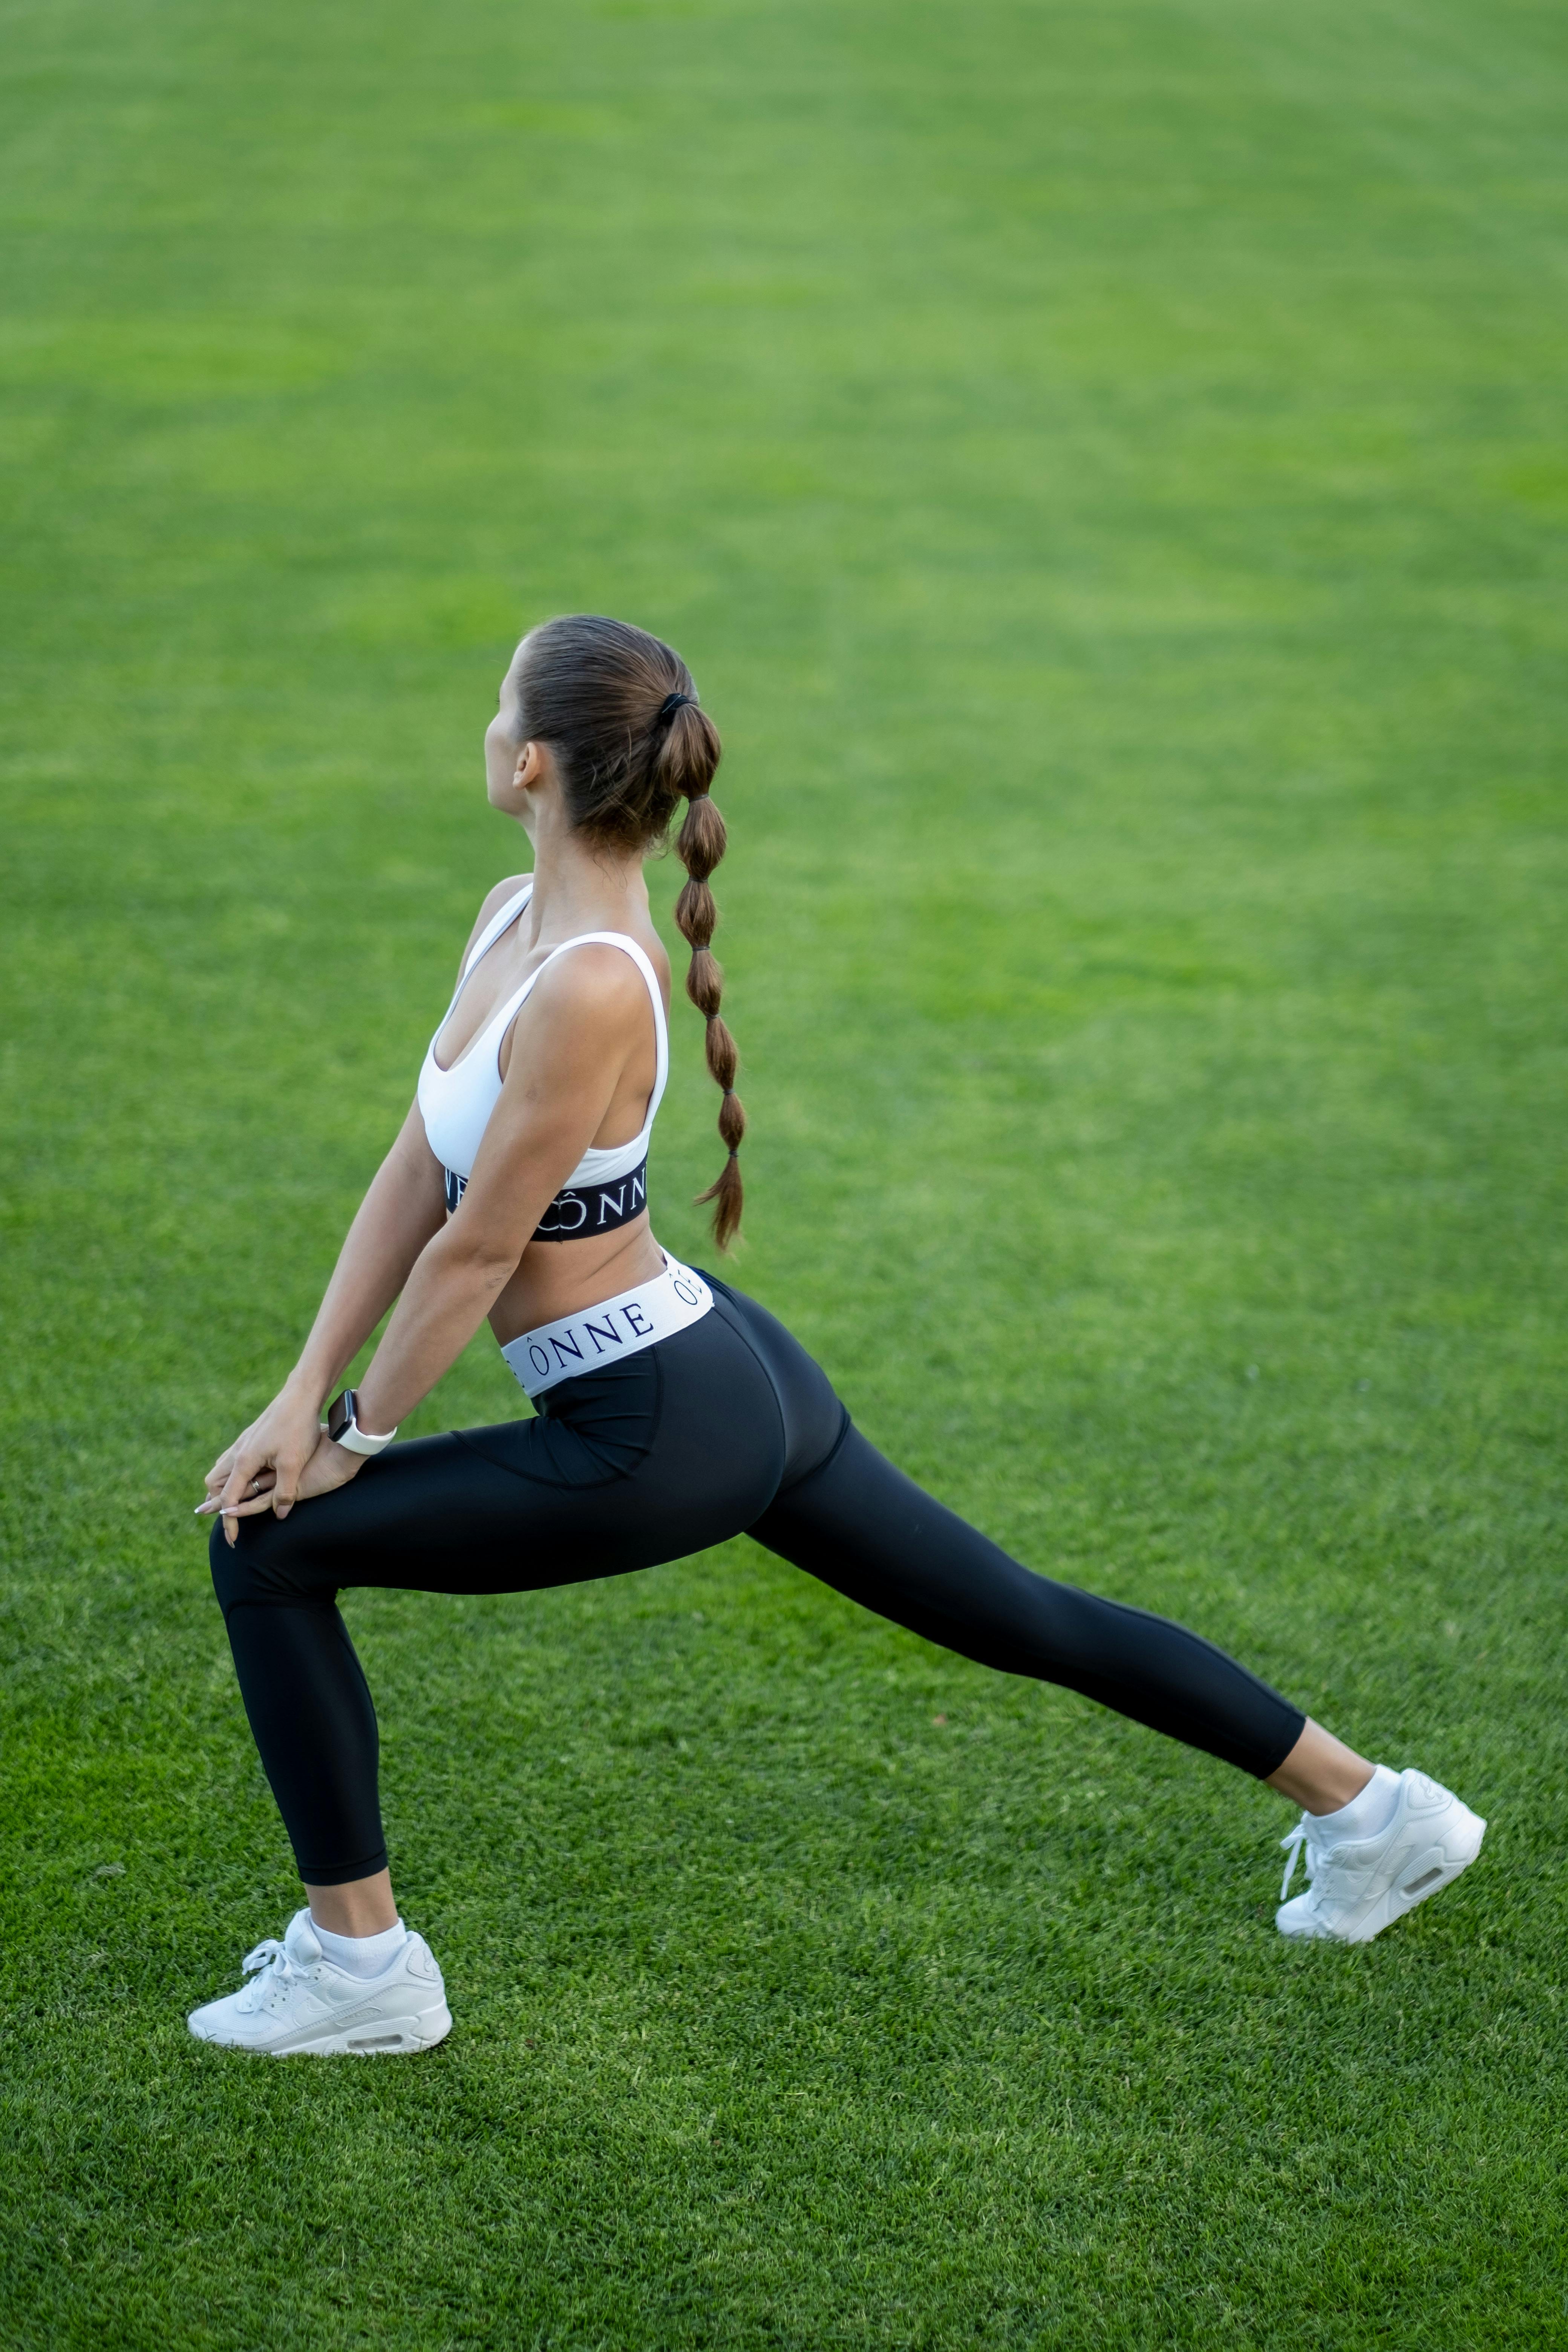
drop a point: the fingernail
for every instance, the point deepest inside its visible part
(281, 1510)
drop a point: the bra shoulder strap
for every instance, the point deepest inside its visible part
(508, 912)
(660, 1027)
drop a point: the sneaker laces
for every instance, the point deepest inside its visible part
(273, 1969)
(1296, 1843)
(270, 1954)
(1331, 1877)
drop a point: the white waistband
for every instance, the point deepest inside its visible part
(617, 1327)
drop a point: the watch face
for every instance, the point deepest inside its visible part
(340, 1416)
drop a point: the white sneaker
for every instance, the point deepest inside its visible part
(1356, 1890)
(300, 2001)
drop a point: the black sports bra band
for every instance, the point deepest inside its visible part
(581, 1208)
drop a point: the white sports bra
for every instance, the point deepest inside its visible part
(606, 1188)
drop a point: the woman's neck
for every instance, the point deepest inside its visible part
(581, 887)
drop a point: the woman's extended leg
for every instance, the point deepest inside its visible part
(1377, 1841)
(862, 1527)
(844, 1513)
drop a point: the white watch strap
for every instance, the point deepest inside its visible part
(355, 1440)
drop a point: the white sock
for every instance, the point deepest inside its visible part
(1366, 1816)
(361, 1956)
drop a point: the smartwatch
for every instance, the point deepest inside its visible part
(343, 1429)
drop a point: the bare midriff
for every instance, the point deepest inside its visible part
(558, 1278)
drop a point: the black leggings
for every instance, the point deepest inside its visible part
(728, 1426)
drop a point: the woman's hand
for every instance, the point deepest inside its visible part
(262, 1469)
(331, 1465)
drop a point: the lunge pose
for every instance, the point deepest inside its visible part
(670, 1411)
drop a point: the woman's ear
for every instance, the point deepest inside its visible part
(530, 767)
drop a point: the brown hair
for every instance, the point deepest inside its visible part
(619, 712)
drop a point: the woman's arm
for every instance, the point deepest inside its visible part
(569, 1048)
(403, 1207)
(406, 1204)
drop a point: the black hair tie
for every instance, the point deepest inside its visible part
(669, 706)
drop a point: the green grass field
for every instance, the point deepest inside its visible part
(1105, 466)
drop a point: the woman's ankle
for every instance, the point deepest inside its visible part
(358, 1906)
(1320, 1774)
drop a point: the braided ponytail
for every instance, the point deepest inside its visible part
(591, 688)
(699, 845)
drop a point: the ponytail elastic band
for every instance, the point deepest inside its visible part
(669, 706)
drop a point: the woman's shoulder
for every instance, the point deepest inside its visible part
(598, 979)
(598, 967)
(495, 899)
(490, 907)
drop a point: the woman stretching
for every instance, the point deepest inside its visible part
(670, 1411)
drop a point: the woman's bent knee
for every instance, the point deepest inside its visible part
(267, 1564)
